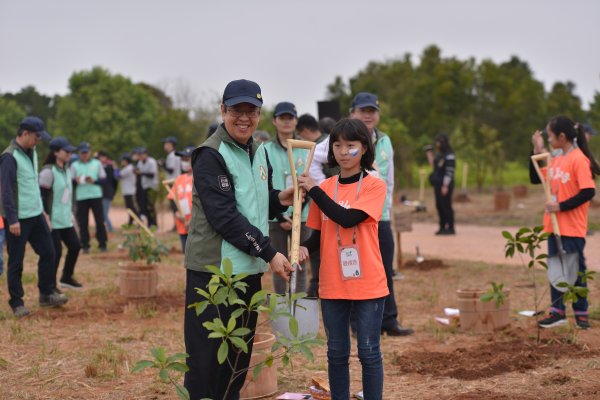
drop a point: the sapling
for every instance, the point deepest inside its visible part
(143, 246)
(496, 293)
(574, 293)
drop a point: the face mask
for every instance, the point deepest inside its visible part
(186, 166)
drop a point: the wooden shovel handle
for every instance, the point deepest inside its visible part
(536, 158)
(297, 206)
(168, 184)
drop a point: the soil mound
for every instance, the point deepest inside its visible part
(426, 265)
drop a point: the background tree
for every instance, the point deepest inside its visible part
(34, 103)
(563, 101)
(11, 114)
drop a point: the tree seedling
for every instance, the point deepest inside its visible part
(496, 294)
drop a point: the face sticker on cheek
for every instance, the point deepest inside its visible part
(353, 152)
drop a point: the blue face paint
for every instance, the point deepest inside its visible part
(353, 152)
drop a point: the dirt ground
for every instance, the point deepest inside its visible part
(87, 349)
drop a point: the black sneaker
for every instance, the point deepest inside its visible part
(582, 321)
(21, 311)
(53, 300)
(555, 319)
(70, 284)
(86, 250)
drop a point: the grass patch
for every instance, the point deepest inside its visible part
(29, 277)
(107, 362)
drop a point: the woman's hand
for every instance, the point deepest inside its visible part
(286, 197)
(444, 190)
(538, 142)
(552, 207)
(302, 254)
(306, 182)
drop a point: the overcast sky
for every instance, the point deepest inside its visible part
(293, 49)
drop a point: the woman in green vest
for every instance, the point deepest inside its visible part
(57, 189)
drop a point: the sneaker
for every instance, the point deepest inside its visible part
(57, 290)
(53, 300)
(582, 321)
(86, 250)
(102, 249)
(398, 330)
(555, 319)
(21, 311)
(70, 284)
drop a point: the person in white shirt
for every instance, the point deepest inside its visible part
(127, 177)
(147, 168)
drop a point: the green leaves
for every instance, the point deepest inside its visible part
(142, 246)
(166, 364)
(526, 242)
(222, 353)
(496, 293)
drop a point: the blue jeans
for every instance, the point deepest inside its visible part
(570, 245)
(105, 207)
(336, 319)
(1, 250)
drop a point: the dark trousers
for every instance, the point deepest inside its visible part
(69, 237)
(207, 378)
(36, 232)
(147, 200)
(444, 207)
(83, 212)
(130, 205)
(386, 247)
(570, 245)
(315, 263)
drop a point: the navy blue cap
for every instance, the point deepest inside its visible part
(84, 147)
(126, 156)
(35, 124)
(61, 143)
(142, 150)
(170, 139)
(364, 100)
(242, 91)
(186, 152)
(588, 128)
(285, 107)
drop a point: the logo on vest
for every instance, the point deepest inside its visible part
(224, 183)
(263, 173)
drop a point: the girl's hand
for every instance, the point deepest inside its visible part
(302, 254)
(306, 182)
(552, 207)
(444, 190)
(538, 142)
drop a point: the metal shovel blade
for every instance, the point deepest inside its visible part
(563, 267)
(292, 289)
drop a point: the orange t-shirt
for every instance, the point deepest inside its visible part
(372, 284)
(569, 174)
(181, 192)
(1, 223)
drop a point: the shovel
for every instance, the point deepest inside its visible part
(297, 210)
(563, 267)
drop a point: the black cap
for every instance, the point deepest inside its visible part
(588, 128)
(61, 143)
(84, 147)
(364, 100)
(35, 124)
(242, 91)
(186, 152)
(127, 157)
(170, 139)
(136, 150)
(142, 150)
(285, 107)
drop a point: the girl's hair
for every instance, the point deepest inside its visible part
(574, 133)
(50, 158)
(444, 142)
(352, 129)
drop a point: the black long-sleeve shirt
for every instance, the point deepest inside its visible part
(220, 205)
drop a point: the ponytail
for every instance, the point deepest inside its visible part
(585, 149)
(50, 158)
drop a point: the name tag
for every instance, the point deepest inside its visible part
(349, 262)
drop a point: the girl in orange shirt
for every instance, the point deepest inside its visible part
(181, 193)
(572, 171)
(344, 214)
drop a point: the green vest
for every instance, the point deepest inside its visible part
(27, 194)
(250, 183)
(62, 190)
(282, 176)
(384, 156)
(87, 190)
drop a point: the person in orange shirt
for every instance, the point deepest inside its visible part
(344, 214)
(181, 194)
(572, 171)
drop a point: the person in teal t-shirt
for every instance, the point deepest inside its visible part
(57, 196)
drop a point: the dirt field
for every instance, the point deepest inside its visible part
(87, 349)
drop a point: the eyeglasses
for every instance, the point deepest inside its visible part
(238, 113)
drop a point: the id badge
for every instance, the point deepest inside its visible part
(289, 182)
(66, 196)
(349, 262)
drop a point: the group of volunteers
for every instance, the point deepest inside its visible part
(38, 208)
(231, 199)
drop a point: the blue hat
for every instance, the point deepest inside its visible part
(61, 143)
(84, 147)
(186, 152)
(35, 124)
(242, 91)
(170, 139)
(285, 107)
(588, 128)
(364, 100)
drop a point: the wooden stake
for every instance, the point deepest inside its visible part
(139, 222)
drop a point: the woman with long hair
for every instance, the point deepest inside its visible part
(572, 170)
(57, 188)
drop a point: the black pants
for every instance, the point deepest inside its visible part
(315, 263)
(130, 205)
(69, 237)
(83, 212)
(207, 378)
(36, 232)
(444, 207)
(147, 200)
(386, 247)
